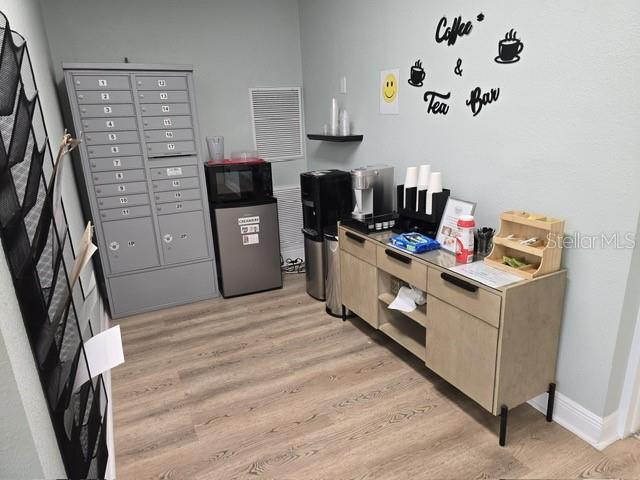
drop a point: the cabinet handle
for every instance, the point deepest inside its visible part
(355, 238)
(398, 256)
(458, 282)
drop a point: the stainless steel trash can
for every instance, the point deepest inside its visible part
(333, 292)
(314, 264)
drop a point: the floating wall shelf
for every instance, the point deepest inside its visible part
(336, 138)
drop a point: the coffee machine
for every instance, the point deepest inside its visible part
(326, 199)
(373, 191)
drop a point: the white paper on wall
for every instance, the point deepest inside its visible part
(104, 352)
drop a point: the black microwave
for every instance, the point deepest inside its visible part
(243, 181)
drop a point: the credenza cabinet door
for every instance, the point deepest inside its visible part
(462, 349)
(359, 281)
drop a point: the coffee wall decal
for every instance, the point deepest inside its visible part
(417, 75)
(435, 106)
(509, 48)
(477, 99)
(458, 68)
(451, 34)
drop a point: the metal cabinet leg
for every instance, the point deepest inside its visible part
(550, 401)
(344, 313)
(504, 412)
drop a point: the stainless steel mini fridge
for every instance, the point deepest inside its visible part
(247, 245)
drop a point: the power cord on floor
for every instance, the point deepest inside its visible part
(292, 266)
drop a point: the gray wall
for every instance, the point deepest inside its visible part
(561, 140)
(232, 44)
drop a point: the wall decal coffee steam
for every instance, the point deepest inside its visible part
(417, 75)
(510, 48)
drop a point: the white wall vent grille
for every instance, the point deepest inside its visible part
(278, 126)
(290, 217)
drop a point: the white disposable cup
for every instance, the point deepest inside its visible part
(424, 175)
(411, 179)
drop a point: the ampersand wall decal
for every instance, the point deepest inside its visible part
(458, 68)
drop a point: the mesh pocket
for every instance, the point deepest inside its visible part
(34, 180)
(21, 128)
(10, 62)
(8, 200)
(16, 244)
(3, 155)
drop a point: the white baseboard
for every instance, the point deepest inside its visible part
(597, 431)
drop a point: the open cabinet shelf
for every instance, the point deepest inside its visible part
(419, 315)
(407, 334)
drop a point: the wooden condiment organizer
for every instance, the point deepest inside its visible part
(543, 258)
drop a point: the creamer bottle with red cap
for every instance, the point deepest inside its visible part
(465, 240)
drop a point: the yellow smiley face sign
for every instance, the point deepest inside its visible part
(390, 88)
(389, 91)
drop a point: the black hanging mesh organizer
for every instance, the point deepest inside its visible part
(39, 253)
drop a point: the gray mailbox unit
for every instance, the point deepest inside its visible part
(145, 183)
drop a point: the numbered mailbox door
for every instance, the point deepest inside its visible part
(183, 237)
(131, 244)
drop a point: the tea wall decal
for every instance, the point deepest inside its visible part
(417, 74)
(477, 99)
(509, 48)
(457, 29)
(436, 107)
(458, 68)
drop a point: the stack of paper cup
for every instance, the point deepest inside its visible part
(345, 131)
(424, 174)
(334, 117)
(435, 186)
(410, 181)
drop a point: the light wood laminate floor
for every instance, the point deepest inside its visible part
(269, 386)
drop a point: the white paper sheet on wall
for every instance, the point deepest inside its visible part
(104, 352)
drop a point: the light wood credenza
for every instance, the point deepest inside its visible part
(497, 346)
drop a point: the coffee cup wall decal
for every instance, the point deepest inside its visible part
(509, 48)
(417, 75)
